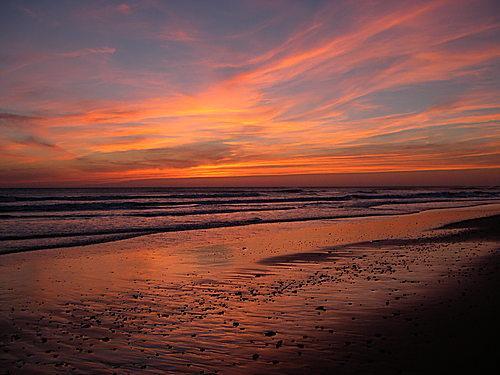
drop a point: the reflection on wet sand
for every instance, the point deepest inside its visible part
(287, 298)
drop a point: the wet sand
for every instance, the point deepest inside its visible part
(398, 294)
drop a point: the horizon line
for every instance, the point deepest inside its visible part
(477, 177)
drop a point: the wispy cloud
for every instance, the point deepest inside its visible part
(153, 90)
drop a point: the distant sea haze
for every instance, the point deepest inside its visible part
(35, 219)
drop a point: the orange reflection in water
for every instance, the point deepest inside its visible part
(214, 299)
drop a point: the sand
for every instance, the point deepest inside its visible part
(395, 294)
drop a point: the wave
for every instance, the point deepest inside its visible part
(100, 206)
(90, 198)
(427, 195)
(108, 206)
(42, 219)
(150, 214)
(104, 202)
(95, 237)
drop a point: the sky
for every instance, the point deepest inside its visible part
(112, 92)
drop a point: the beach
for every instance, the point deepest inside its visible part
(249, 187)
(403, 293)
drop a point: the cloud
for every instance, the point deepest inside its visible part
(6, 117)
(254, 89)
(182, 156)
(87, 51)
(32, 141)
(177, 36)
(124, 8)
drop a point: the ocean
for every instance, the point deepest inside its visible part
(34, 219)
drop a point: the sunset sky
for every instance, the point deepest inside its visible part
(98, 92)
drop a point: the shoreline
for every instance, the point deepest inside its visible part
(349, 295)
(140, 232)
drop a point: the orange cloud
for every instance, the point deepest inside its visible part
(360, 97)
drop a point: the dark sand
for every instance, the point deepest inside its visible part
(372, 295)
